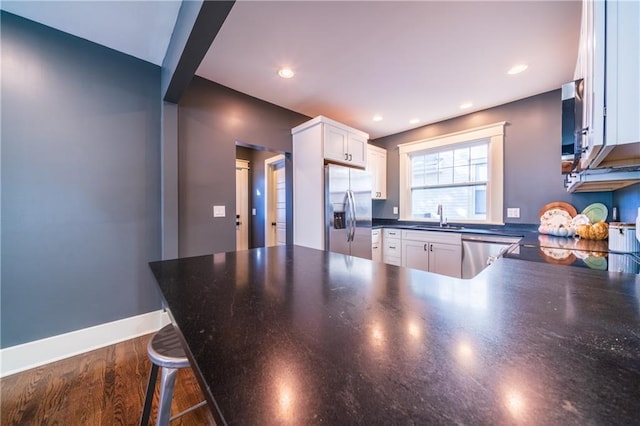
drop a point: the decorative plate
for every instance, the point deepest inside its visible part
(580, 254)
(595, 262)
(581, 219)
(558, 205)
(596, 212)
(557, 256)
(556, 217)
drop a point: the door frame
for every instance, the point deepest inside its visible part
(243, 165)
(269, 165)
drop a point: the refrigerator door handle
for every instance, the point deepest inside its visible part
(347, 214)
(352, 205)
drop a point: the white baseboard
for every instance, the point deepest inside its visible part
(15, 359)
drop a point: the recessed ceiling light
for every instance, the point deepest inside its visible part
(414, 121)
(286, 73)
(466, 105)
(377, 117)
(517, 69)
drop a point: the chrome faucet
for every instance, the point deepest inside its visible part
(439, 213)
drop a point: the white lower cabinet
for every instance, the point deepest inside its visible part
(376, 246)
(445, 259)
(415, 254)
(438, 252)
(392, 246)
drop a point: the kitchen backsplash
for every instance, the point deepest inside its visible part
(627, 200)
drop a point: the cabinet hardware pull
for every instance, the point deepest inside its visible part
(346, 156)
(430, 247)
(425, 247)
(350, 157)
(392, 247)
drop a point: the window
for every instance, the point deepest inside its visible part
(462, 171)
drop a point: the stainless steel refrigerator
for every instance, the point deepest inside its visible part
(348, 210)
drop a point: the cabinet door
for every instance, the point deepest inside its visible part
(377, 167)
(622, 70)
(357, 150)
(415, 254)
(445, 259)
(593, 22)
(335, 144)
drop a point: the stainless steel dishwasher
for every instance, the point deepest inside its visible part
(479, 251)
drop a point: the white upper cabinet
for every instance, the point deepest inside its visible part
(344, 145)
(609, 62)
(377, 167)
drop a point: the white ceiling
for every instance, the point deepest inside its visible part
(402, 60)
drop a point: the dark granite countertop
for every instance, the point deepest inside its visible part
(292, 335)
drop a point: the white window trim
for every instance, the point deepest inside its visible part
(495, 188)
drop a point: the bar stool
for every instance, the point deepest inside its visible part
(165, 351)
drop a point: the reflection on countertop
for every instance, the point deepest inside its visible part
(570, 251)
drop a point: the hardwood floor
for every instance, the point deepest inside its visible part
(102, 387)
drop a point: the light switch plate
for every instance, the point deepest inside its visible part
(395, 210)
(253, 212)
(219, 211)
(513, 212)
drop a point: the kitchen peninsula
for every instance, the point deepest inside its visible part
(293, 335)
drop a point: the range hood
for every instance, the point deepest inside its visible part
(606, 179)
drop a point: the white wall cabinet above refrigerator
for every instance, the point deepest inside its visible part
(344, 145)
(609, 62)
(377, 167)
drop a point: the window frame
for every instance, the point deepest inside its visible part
(493, 134)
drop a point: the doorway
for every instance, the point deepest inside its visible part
(276, 201)
(267, 205)
(242, 204)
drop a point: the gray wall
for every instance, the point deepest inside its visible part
(532, 175)
(80, 183)
(211, 119)
(628, 201)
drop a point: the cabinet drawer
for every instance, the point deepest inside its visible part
(392, 247)
(392, 233)
(433, 237)
(392, 260)
(375, 236)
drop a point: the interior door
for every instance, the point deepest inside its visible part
(242, 205)
(281, 204)
(276, 201)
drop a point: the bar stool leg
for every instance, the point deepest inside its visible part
(167, 383)
(148, 401)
